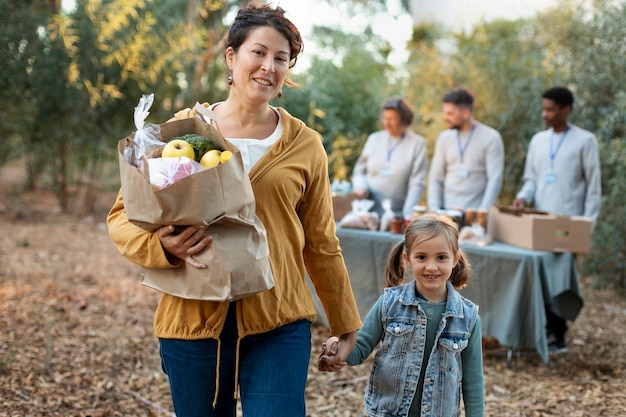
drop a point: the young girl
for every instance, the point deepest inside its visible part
(430, 353)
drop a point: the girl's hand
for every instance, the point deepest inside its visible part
(335, 351)
(328, 360)
(190, 241)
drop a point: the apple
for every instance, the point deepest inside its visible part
(211, 158)
(176, 148)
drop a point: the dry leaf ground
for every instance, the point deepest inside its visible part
(76, 335)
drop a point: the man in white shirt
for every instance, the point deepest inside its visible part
(561, 176)
(468, 162)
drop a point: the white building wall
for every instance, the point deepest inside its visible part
(462, 15)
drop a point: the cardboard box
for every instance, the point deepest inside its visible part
(536, 230)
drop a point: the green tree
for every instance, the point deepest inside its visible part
(73, 79)
(341, 93)
(598, 60)
(503, 63)
(20, 45)
(425, 80)
(508, 64)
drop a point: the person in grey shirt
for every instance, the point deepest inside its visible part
(467, 167)
(392, 164)
(561, 176)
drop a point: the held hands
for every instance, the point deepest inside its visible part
(335, 351)
(190, 241)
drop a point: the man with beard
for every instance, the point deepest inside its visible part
(468, 163)
(561, 176)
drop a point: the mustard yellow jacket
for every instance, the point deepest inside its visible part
(293, 200)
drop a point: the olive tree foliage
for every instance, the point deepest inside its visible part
(73, 78)
(425, 79)
(20, 44)
(598, 63)
(584, 49)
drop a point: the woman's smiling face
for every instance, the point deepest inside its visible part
(260, 65)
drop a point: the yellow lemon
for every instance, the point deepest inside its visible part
(225, 156)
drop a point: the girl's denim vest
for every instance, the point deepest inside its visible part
(397, 363)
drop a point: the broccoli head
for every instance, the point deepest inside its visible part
(200, 144)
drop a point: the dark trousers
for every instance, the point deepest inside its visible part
(557, 325)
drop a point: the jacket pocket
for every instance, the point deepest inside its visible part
(397, 337)
(453, 344)
(450, 349)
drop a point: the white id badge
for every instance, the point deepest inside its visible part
(462, 173)
(386, 172)
(549, 178)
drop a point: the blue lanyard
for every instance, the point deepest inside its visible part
(458, 141)
(391, 148)
(553, 151)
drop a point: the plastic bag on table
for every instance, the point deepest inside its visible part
(387, 216)
(360, 217)
(474, 234)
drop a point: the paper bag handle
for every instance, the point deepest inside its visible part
(205, 113)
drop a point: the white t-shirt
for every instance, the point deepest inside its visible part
(252, 150)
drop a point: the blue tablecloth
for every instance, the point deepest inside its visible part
(510, 284)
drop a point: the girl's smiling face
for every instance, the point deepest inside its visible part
(260, 65)
(431, 261)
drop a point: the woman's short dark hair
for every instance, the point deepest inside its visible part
(257, 15)
(562, 96)
(402, 107)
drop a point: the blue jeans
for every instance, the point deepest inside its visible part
(272, 371)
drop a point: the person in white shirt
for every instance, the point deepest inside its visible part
(392, 164)
(467, 167)
(561, 176)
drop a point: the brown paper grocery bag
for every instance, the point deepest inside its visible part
(221, 197)
(237, 265)
(199, 198)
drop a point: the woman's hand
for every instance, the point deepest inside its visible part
(190, 241)
(335, 351)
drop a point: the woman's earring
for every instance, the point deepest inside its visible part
(229, 80)
(280, 93)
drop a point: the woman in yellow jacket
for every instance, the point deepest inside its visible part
(260, 344)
